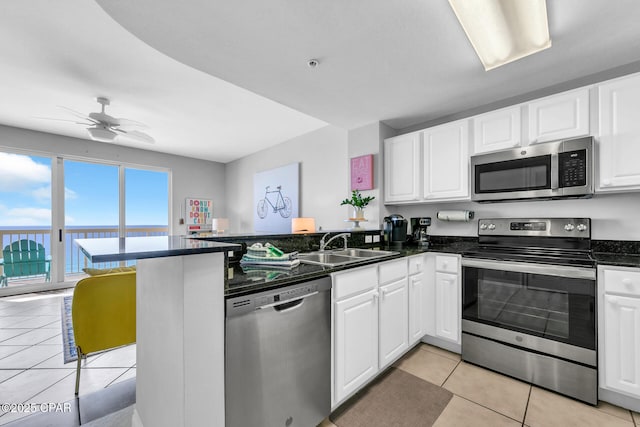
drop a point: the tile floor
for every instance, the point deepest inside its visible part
(32, 368)
(32, 371)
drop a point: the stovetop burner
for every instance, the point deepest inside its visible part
(557, 241)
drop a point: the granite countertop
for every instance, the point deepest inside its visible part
(617, 259)
(129, 248)
(245, 280)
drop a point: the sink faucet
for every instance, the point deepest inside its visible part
(324, 244)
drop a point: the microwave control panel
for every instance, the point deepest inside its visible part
(572, 167)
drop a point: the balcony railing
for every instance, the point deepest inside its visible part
(75, 260)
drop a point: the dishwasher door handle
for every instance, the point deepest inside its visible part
(276, 304)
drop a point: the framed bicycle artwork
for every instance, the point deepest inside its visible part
(276, 198)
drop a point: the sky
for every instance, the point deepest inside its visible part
(91, 193)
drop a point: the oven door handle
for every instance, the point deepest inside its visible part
(531, 268)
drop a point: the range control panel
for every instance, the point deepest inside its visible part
(542, 227)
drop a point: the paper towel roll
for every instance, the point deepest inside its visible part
(464, 216)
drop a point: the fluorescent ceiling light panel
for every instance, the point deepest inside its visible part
(502, 31)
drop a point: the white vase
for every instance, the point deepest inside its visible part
(358, 213)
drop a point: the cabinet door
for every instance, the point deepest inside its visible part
(394, 321)
(619, 147)
(402, 168)
(356, 342)
(565, 115)
(447, 307)
(416, 308)
(497, 130)
(446, 161)
(622, 344)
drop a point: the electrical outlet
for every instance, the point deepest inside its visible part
(368, 238)
(181, 222)
(376, 239)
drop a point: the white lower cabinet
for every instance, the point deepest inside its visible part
(417, 298)
(619, 326)
(355, 342)
(443, 298)
(394, 321)
(370, 323)
(447, 310)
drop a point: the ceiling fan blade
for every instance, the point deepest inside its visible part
(130, 124)
(135, 135)
(75, 113)
(65, 120)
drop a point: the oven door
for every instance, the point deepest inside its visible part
(545, 308)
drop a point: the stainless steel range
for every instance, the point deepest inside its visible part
(529, 303)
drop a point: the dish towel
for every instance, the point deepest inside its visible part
(267, 254)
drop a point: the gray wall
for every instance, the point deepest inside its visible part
(189, 177)
(324, 181)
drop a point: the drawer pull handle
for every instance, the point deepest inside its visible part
(627, 282)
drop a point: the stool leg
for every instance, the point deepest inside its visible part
(78, 370)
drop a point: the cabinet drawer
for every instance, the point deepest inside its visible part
(622, 282)
(354, 281)
(447, 263)
(393, 270)
(416, 264)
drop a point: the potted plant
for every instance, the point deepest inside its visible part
(358, 202)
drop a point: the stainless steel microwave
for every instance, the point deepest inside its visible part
(549, 170)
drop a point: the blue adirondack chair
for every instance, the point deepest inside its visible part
(24, 258)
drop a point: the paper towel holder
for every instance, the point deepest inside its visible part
(461, 215)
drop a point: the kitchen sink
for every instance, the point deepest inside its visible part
(363, 253)
(339, 257)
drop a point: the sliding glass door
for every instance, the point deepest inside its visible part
(25, 222)
(46, 203)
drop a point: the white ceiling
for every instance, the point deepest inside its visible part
(400, 62)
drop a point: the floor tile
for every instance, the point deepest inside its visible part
(547, 409)
(90, 380)
(35, 336)
(617, 411)
(55, 362)
(7, 350)
(130, 373)
(427, 365)
(29, 383)
(441, 352)
(461, 412)
(5, 334)
(29, 357)
(497, 392)
(5, 374)
(326, 423)
(55, 340)
(37, 322)
(9, 321)
(124, 357)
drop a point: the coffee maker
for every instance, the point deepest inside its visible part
(419, 233)
(395, 231)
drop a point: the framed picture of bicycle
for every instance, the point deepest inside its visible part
(276, 198)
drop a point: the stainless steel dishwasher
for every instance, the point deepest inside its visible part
(278, 356)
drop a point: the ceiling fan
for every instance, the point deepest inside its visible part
(105, 128)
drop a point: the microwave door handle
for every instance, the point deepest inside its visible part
(554, 172)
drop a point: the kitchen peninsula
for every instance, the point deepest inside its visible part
(180, 325)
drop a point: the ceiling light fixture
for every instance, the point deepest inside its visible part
(101, 133)
(502, 31)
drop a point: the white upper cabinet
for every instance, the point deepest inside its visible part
(446, 161)
(561, 116)
(402, 168)
(619, 146)
(497, 130)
